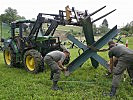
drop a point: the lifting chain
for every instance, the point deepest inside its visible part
(97, 50)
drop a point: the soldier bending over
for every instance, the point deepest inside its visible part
(55, 61)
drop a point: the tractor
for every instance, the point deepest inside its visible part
(29, 43)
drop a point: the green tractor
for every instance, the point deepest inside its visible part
(29, 43)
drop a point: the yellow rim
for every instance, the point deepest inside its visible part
(30, 63)
(7, 57)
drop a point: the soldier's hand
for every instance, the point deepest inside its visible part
(109, 70)
(108, 74)
(64, 68)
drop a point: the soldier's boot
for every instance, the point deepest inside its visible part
(113, 91)
(131, 83)
(55, 86)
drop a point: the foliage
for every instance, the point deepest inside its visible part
(94, 29)
(105, 23)
(103, 29)
(128, 29)
(5, 30)
(86, 83)
(10, 15)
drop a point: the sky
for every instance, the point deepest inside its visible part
(31, 8)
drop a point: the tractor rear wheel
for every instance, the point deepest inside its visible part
(9, 57)
(33, 61)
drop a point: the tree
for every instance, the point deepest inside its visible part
(105, 23)
(10, 15)
(127, 29)
(131, 28)
(94, 29)
(103, 28)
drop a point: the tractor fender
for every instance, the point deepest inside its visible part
(7, 43)
(12, 44)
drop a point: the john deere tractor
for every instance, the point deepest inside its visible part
(29, 43)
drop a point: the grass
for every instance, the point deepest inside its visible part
(19, 84)
(86, 83)
(73, 29)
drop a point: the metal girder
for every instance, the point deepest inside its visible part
(102, 61)
(51, 29)
(77, 42)
(88, 52)
(88, 32)
(84, 48)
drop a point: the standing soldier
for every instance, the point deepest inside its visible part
(125, 61)
(55, 61)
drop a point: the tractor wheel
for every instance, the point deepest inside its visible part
(33, 61)
(9, 57)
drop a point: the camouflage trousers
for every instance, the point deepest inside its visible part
(55, 70)
(119, 70)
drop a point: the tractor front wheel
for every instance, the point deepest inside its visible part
(9, 57)
(33, 61)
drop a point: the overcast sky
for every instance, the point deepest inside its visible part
(30, 8)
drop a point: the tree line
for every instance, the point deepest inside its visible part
(127, 29)
(124, 30)
(11, 15)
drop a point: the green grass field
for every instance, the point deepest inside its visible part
(86, 83)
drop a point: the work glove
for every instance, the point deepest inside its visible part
(109, 72)
(64, 68)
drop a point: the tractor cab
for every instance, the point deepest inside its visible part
(21, 28)
(22, 37)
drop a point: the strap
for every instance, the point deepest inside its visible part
(97, 50)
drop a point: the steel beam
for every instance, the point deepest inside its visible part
(84, 48)
(77, 42)
(89, 52)
(88, 32)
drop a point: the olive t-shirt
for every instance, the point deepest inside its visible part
(57, 55)
(121, 52)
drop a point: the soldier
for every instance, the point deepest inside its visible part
(115, 59)
(125, 61)
(112, 42)
(55, 61)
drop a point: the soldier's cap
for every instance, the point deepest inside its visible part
(66, 50)
(111, 46)
(111, 42)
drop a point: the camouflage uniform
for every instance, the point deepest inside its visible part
(51, 60)
(125, 61)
